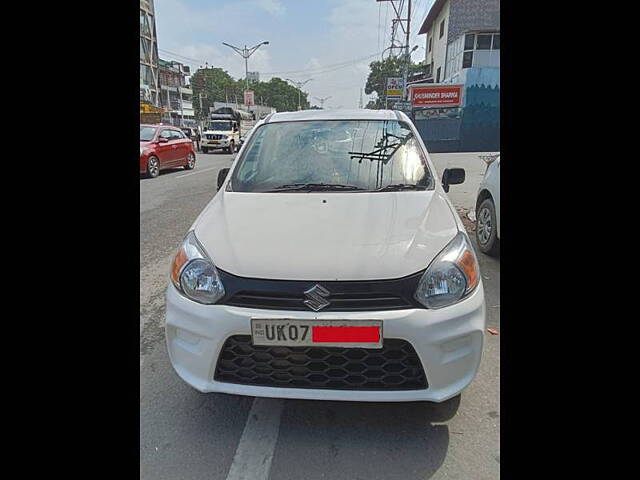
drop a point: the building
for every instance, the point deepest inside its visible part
(149, 91)
(175, 96)
(462, 39)
(461, 34)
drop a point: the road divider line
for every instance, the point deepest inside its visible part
(257, 444)
(197, 171)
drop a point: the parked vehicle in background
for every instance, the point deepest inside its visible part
(488, 208)
(226, 128)
(193, 135)
(376, 294)
(163, 146)
(189, 132)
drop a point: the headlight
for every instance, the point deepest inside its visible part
(452, 276)
(194, 274)
(143, 149)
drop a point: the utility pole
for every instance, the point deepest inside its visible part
(322, 100)
(407, 55)
(246, 53)
(181, 109)
(299, 86)
(398, 20)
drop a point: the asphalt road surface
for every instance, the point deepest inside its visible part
(185, 434)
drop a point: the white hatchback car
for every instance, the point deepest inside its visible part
(330, 265)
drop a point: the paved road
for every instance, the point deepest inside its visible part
(188, 435)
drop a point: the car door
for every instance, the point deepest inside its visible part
(182, 147)
(166, 151)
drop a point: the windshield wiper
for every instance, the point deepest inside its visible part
(314, 187)
(400, 186)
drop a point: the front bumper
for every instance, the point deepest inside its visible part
(448, 342)
(214, 143)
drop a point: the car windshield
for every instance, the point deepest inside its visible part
(225, 126)
(147, 134)
(333, 155)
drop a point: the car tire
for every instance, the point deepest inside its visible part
(191, 161)
(487, 228)
(205, 150)
(232, 147)
(153, 167)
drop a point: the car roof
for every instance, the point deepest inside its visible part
(160, 126)
(355, 114)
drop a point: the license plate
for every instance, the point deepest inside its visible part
(329, 333)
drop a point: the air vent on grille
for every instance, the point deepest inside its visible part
(395, 366)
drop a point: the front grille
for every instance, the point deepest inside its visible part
(344, 296)
(395, 366)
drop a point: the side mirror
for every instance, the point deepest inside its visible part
(162, 140)
(222, 175)
(452, 176)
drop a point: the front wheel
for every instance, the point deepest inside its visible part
(487, 228)
(191, 161)
(153, 167)
(205, 150)
(232, 147)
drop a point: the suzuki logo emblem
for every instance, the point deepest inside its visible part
(315, 297)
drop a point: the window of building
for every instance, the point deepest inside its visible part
(469, 41)
(441, 29)
(484, 42)
(467, 59)
(438, 75)
(430, 42)
(496, 42)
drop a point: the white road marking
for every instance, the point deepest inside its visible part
(254, 453)
(197, 171)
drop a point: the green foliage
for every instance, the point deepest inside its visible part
(379, 71)
(216, 85)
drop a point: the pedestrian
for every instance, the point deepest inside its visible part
(197, 139)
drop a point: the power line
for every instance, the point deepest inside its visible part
(329, 67)
(316, 70)
(182, 56)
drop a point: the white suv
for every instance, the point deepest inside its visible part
(330, 265)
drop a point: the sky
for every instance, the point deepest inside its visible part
(331, 42)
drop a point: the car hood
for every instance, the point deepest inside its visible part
(325, 236)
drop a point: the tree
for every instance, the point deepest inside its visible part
(212, 85)
(216, 85)
(380, 70)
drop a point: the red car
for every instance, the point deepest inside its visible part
(163, 146)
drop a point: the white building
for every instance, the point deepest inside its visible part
(175, 97)
(461, 34)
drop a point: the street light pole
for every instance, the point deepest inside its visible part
(322, 100)
(299, 86)
(246, 53)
